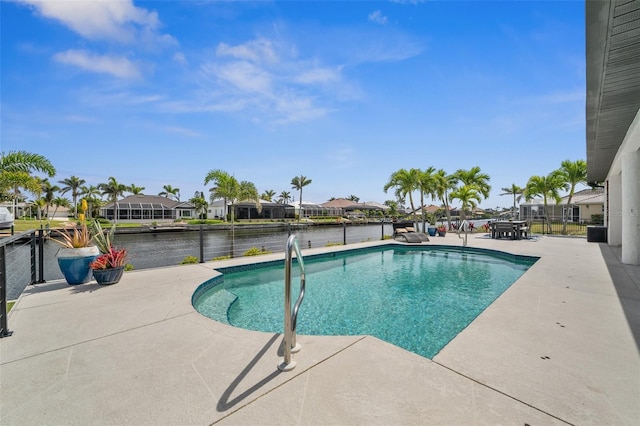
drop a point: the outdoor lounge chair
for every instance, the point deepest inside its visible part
(409, 235)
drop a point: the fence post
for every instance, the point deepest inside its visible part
(382, 236)
(32, 244)
(201, 244)
(4, 332)
(344, 233)
(41, 256)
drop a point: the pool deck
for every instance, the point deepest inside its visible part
(560, 346)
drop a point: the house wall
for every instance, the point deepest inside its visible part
(586, 210)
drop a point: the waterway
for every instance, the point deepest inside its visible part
(157, 249)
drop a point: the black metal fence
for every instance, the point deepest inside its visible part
(31, 259)
(556, 226)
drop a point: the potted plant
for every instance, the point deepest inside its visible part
(108, 267)
(442, 230)
(76, 254)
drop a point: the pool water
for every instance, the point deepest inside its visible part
(415, 298)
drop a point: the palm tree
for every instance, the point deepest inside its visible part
(230, 190)
(39, 204)
(571, 173)
(92, 194)
(284, 197)
(113, 189)
(474, 177)
(48, 193)
(170, 192)
(517, 193)
(16, 169)
(546, 187)
(298, 183)
(226, 187)
(393, 207)
(444, 184)
(468, 195)
(72, 184)
(135, 189)
(59, 202)
(426, 186)
(405, 181)
(268, 195)
(200, 203)
(353, 198)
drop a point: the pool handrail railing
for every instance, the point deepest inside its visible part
(291, 315)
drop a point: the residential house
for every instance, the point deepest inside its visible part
(145, 208)
(584, 205)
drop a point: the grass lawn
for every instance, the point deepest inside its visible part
(21, 225)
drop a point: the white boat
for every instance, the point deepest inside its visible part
(6, 218)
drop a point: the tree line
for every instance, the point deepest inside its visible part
(469, 187)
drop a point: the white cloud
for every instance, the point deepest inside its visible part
(244, 76)
(119, 21)
(318, 75)
(377, 17)
(116, 66)
(255, 51)
(180, 58)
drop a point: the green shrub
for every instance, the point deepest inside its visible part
(189, 260)
(222, 257)
(128, 267)
(255, 251)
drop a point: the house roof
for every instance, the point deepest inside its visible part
(343, 203)
(586, 196)
(613, 81)
(149, 202)
(339, 203)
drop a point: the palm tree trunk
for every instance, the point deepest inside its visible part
(422, 211)
(413, 209)
(566, 216)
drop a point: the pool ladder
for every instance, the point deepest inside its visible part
(291, 315)
(463, 226)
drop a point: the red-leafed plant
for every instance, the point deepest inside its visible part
(112, 259)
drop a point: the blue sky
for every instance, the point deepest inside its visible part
(344, 93)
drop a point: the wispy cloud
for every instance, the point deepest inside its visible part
(377, 17)
(257, 51)
(115, 66)
(318, 75)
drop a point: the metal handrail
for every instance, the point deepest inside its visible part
(463, 225)
(291, 315)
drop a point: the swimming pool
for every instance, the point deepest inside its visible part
(418, 298)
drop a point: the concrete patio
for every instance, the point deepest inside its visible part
(560, 346)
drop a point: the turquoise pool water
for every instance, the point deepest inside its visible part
(416, 298)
